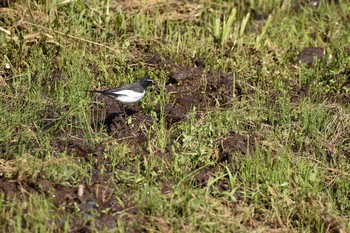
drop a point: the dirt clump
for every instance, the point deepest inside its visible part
(124, 122)
(235, 143)
(76, 147)
(193, 87)
(308, 55)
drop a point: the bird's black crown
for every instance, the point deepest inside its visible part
(145, 82)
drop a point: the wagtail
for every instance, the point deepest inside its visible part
(129, 93)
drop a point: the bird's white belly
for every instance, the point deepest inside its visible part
(127, 96)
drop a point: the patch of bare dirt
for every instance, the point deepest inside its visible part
(124, 122)
(10, 189)
(235, 143)
(77, 147)
(191, 87)
(97, 200)
(309, 55)
(157, 61)
(202, 178)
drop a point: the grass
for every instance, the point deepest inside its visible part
(184, 176)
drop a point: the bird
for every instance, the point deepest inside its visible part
(131, 93)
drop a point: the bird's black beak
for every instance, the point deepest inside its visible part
(150, 82)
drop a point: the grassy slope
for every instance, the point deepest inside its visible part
(297, 177)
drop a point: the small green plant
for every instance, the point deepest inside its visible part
(226, 30)
(259, 38)
(222, 30)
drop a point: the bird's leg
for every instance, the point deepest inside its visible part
(122, 109)
(138, 106)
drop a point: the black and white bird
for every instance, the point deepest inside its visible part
(129, 93)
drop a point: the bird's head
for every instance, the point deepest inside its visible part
(146, 81)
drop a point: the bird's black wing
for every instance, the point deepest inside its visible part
(114, 92)
(133, 87)
(110, 93)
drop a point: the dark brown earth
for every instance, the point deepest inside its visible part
(228, 147)
(235, 143)
(309, 55)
